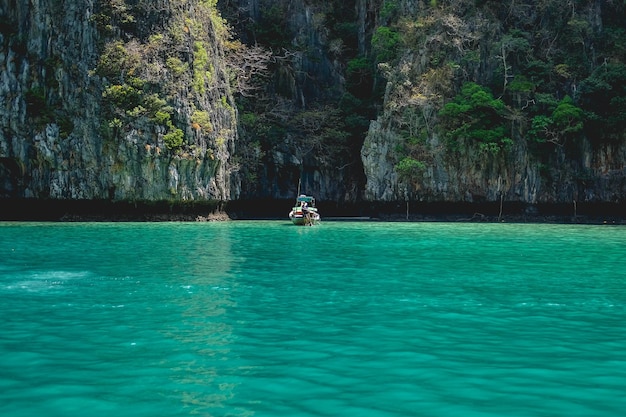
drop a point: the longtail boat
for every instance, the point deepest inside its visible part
(304, 213)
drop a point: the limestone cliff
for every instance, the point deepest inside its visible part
(530, 134)
(356, 100)
(115, 100)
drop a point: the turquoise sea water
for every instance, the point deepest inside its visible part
(342, 319)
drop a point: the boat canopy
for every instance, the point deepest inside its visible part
(306, 199)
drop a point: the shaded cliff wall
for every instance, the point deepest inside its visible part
(114, 100)
(297, 128)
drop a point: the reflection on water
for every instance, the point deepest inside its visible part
(202, 268)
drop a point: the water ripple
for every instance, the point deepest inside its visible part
(372, 319)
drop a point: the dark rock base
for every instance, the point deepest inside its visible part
(101, 210)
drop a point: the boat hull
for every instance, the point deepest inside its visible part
(300, 219)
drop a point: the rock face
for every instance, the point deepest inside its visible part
(458, 43)
(131, 100)
(581, 173)
(77, 126)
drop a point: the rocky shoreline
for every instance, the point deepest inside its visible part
(481, 218)
(223, 216)
(208, 211)
(151, 217)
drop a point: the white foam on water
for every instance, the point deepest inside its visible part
(40, 281)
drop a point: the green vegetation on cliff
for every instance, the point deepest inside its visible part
(476, 115)
(148, 72)
(532, 55)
